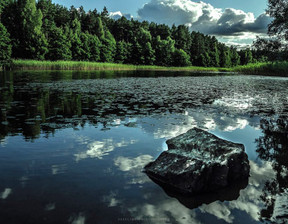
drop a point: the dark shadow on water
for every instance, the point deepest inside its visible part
(273, 147)
(230, 193)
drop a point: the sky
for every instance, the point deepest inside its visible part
(235, 22)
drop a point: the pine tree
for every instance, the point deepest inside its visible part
(95, 46)
(235, 58)
(108, 47)
(5, 46)
(148, 54)
(33, 42)
(99, 28)
(121, 52)
(59, 45)
(164, 51)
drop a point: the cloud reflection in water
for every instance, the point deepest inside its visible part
(5, 193)
(99, 149)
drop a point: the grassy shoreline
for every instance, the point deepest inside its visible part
(269, 68)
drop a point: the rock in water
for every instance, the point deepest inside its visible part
(198, 162)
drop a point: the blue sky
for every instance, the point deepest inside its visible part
(232, 21)
(131, 6)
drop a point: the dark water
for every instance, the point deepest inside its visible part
(73, 144)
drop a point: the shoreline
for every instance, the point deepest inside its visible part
(268, 68)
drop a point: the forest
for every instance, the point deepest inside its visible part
(42, 30)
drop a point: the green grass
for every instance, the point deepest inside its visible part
(269, 68)
(81, 65)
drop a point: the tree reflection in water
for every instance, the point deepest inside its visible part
(273, 146)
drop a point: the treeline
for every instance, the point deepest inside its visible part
(43, 30)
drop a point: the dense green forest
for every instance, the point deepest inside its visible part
(45, 31)
(42, 30)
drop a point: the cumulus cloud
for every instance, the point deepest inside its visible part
(118, 15)
(203, 17)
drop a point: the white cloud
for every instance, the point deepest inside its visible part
(127, 164)
(79, 219)
(133, 167)
(111, 199)
(5, 193)
(118, 15)
(99, 149)
(203, 17)
(177, 11)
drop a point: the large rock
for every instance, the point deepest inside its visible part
(198, 162)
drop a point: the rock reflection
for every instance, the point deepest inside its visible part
(221, 205)
(229, 193)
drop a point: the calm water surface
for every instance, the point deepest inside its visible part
(73, 144)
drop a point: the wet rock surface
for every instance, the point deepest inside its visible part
(199, 162)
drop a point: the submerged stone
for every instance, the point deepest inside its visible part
(198, 162)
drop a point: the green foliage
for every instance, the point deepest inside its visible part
(181, 58)
(164, 51)
(99, 30)
(149, 54)
(182, 38)
(51, 31)
(5, 47)
(235, 58)
(108, 47)
(278, 10)
(3, 4)
(95, 46)
(58, 45)
(33, 41)
(246, 56)
(121, 52)
(76, 47)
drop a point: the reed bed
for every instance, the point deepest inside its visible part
(267, 68)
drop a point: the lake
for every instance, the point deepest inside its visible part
(73, 144)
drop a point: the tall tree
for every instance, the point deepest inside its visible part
(99, 29)
(95, 46)
(33, 42)
(3, 4)
(197, 48)
(5, 46)
(149, 54)
(59, 45)
(182, 38)
(246, 56)
(235, 58)
(181, 58)
(108, 47)
(121, 52)
(278, 10)
(225, 57)
(164, 51)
